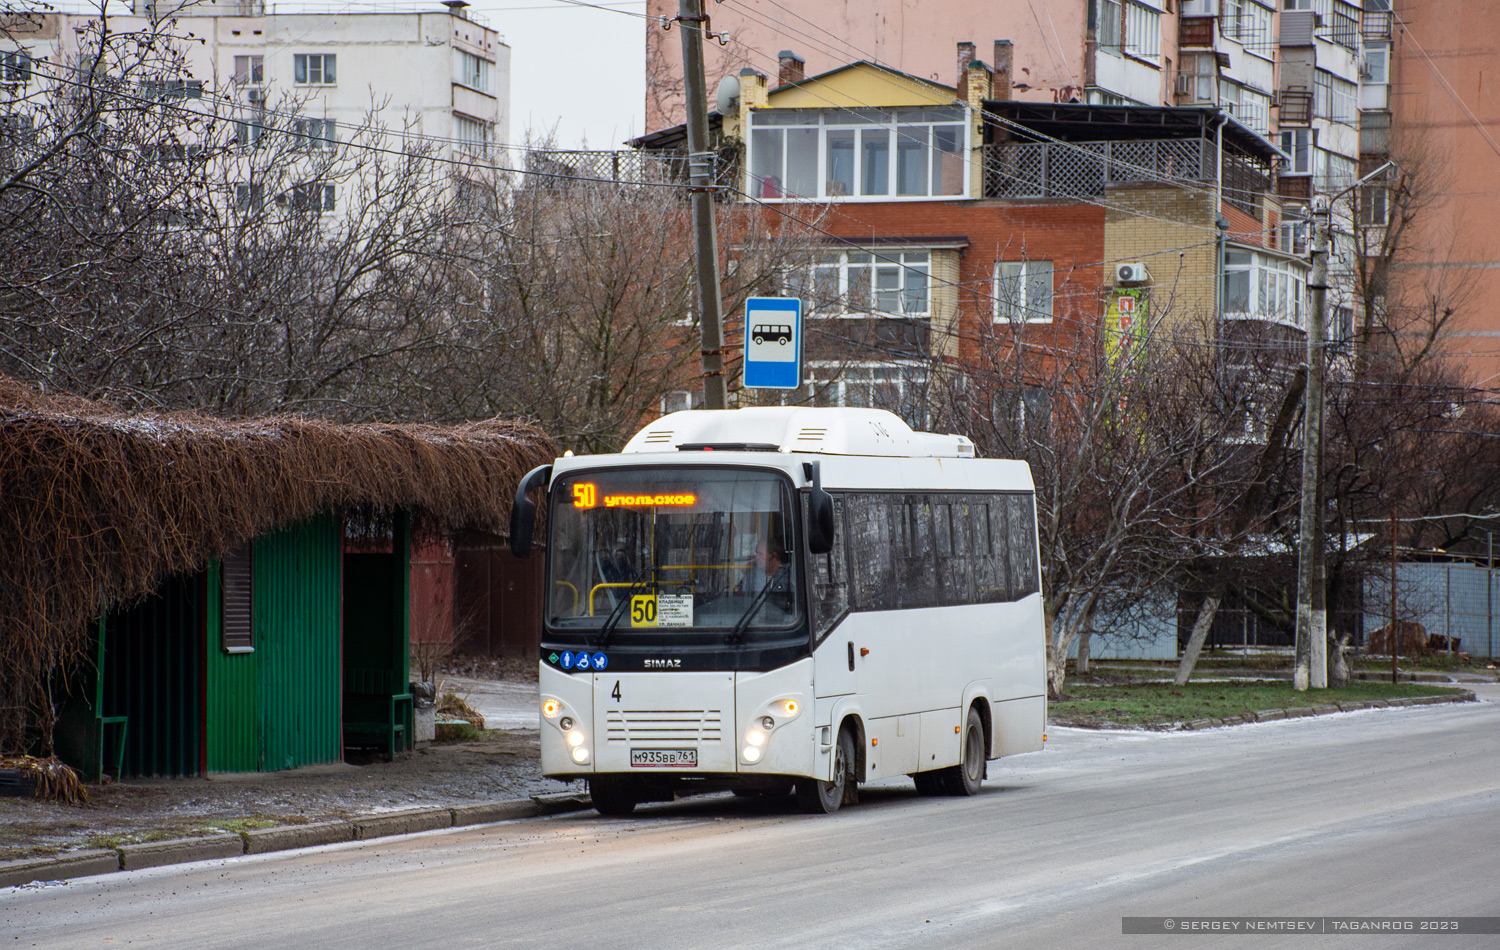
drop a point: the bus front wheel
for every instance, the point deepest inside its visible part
(824, 798)
(613, 795)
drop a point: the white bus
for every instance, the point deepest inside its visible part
(780, 600)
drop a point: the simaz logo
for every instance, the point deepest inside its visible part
(663, 664)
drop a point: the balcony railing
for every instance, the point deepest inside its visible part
(625, 167)
(1082, 169)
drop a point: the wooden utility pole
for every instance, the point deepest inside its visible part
(702, 163)
(1311, 667)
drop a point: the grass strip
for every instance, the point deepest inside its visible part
(1162, 705)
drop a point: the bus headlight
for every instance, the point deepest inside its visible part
(755, 737)
(751, 754)
(575, 738)
(580, 754)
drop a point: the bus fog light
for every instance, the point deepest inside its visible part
(752, 754)
(755, 738)
(566, 722)
(580, 754)
(767, 723)
(575, 739)
(551, 708)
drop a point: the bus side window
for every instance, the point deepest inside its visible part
(1000, 531)
(915, 560)
(871, 539)
(1022, 545)
(830, 577)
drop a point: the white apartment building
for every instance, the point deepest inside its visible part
(442, 74)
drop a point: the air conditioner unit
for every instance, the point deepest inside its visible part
(1131, 273)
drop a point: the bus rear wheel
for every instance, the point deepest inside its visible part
(824, 798)
(966, 777)
(613, 795)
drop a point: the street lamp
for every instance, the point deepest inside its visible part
(1311, 664)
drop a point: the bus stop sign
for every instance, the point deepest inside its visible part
(773, 343)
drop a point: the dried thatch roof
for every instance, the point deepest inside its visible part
(98, 507)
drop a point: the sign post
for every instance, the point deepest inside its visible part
(773, 343)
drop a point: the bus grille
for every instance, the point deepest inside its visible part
(663, 725)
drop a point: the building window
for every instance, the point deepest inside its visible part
(237, 596)
(472, 71)
(1293, 231)
(1377, 65)
(314, 134)
(1248, 23)
(249, 197)
(251, 129)
(679, 400)
(249, 70)
(899, 387)
(1261, 287)
(1334, 99)
(1023, 291)
(1374, 204)
(315, 69)
(1142, 30)
(472, 135)
(1108, 30)
(1332, 172)
(860, 283)
(172, 89)
(1298, 145)
(15, 66)
(908, 153)
(316, 196)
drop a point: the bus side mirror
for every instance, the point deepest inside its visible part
(523, 512)
(819, 512)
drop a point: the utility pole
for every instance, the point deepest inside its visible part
(701, 166)
(1311, 667)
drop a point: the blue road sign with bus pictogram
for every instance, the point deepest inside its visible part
(773, 343)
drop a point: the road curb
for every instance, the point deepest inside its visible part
(1300, 712)
(266, 840)
(154, 854)
(132, 857)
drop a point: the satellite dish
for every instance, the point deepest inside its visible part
(727, 99)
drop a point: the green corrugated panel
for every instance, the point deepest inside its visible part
(233, 706)
(297, 596)
(278, 706)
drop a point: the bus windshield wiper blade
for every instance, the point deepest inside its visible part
(613, 619)
(738, 633)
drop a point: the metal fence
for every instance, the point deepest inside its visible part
(1453, 600)
(1082, 169)
(623, 166)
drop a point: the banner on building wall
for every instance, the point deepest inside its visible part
(1125, 322)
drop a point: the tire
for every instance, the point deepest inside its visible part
(817, 797)
(782, 341)
(966, 777)
(759, 340)
(613, 796)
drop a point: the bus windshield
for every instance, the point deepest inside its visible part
(657, 553)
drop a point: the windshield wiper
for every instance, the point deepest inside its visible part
(613, 619)
(738, 633)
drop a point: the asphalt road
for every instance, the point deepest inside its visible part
(1376, 813)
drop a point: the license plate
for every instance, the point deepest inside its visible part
(663, 758)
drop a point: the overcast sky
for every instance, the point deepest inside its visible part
(575, 69)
